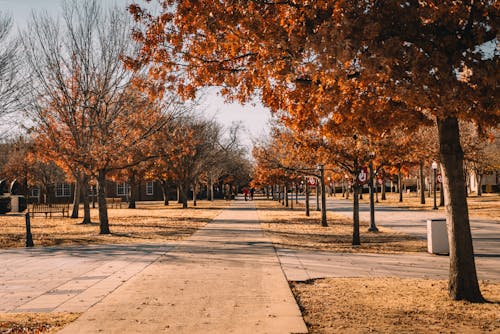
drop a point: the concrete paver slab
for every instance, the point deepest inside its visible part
(226, 278)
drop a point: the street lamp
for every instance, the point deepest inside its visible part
(373, 226)
(434, 168)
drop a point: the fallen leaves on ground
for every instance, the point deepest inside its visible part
(149, 222)
(34, 323)
(393, 305)
(289, 228)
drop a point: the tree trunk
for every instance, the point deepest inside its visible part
(462, 283)
(285, 190)
(164, 189)
(133, 191)
(183, 198)
(101, 200)
(210, 189)
(317, 196)
(441, 194)
(307, 199)
(76, 200)
(179, 199)
(422, 182)
(400, 184)
(86, 200)
(355, 216)
(194, 194)
(479, 178)
(382, 191)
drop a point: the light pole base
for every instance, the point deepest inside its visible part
(373, 229)
(435, 208)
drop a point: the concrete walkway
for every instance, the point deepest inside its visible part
(300, 265)
(226, 278)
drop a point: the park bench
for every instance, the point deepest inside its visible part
(114, 202)
(49, 209)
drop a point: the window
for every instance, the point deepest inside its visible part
(63, 190)
(149, 188)
(35, 192)
(122, 189)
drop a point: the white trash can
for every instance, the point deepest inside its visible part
(437, 236)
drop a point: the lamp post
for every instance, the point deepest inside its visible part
(434, 168)
(373, 226)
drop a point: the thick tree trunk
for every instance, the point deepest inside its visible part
(101, 200)
(422, 182)
(164, 189)
(86, 200)
(462, 283)
(133, 192)
(76, 200)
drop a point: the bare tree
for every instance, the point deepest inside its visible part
(83, 102)
(10, 81)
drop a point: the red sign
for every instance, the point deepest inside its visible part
(362, 177)
(311, 181)
(439, 178)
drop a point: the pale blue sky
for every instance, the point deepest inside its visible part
(254, 118)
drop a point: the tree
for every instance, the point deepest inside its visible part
(11, 83)
(371, 62)
(83, 102)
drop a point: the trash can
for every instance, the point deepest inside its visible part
(437, 236)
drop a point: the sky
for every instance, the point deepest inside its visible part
(254, 118)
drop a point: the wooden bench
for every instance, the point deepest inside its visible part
(114, 202)
(48, 209)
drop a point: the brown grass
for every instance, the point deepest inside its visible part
(292, 229)
(485, 206)
(393, 305)
(17, 323)
(150, 222)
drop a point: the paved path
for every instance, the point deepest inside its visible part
(68, 279)
(226, 278)
(485, 232)
(302, 265)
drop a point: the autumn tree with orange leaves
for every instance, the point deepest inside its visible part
(363, 64)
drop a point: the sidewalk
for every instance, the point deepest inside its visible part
(226, 278)
(301, 265)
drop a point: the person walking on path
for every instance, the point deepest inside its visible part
(245, 192)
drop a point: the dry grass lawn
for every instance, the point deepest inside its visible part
(150, 222)
(292, 229)
(485, 206)
(393, 305)
(24, 323)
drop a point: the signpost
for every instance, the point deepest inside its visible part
(362, 177)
